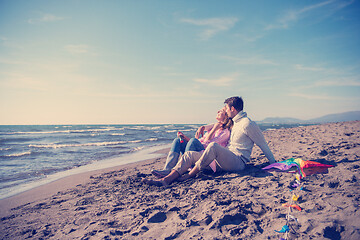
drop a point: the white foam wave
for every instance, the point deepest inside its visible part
(18, 154)
(171, 131)
(187, 130)
(194, 127)
(4, 149)
(151, 139)
(65, 131)
(97, 144)
(270, 129)
(169, 126)
(117, 134)
(145, 127)
(137, 149)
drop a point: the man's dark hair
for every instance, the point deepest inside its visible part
(235, 102)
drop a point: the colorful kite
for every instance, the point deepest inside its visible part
(304, 168)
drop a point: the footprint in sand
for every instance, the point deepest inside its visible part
(157, 218)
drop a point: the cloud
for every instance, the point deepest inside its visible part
(310, 97)
(314, 69)
(250, 37)
(45, 18)
(292, 16)
(4, 41)
(11, 62)
(134, 91)
(220, 82)
(341, 82)
(212, 25)
(253, 60)
(77, 49)
(20, 81)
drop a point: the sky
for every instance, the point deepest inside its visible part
(160, 61)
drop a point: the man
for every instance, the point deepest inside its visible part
(232, 158)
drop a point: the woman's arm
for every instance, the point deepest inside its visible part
(222, 138)
(211, 133)
(200, 132)
(209, 126)
(205, 128)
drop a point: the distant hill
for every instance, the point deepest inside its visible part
(279, 120)
(338, 117)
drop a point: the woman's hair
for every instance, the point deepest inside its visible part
(228, 123)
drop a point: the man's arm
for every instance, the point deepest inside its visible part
(254, 132)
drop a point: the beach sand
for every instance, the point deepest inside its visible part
(114, 204)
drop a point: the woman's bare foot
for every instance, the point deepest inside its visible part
(160, 174)
(158, 183)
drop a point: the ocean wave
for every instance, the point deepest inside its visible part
(171, 131)
(117, 134)
(64, 131)
(194, 125)
(18, 154)
(4, 149)
(144, 127)
(134, 141)
(169, 126)
(16, 139)
(97, 144)
(138, 149)
(187, 130)
(151, 139)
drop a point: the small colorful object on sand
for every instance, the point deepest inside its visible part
(292, 205)
(295, 197)
(284, 229)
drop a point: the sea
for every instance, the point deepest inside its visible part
(33, 155)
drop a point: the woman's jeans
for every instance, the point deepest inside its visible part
(181, 146)
(194, 145)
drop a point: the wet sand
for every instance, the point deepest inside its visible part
(114, 204)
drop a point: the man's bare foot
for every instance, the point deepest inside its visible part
(184, 177)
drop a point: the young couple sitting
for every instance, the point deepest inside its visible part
(226, 145)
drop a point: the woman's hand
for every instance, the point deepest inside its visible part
(183, 136)
(200, 132)
(212, 131)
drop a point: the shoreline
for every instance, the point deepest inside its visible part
(30, 183)
(114, 203)
(70, 178)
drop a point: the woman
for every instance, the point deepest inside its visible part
(218, 132)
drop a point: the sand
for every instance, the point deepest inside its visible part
(114, 204)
